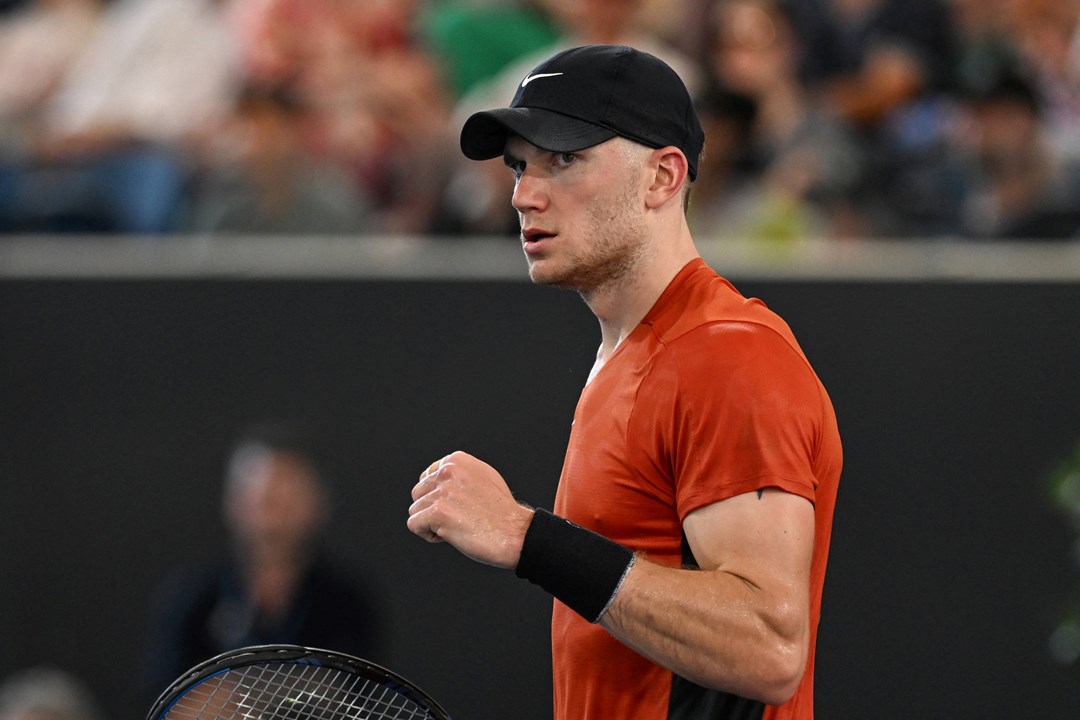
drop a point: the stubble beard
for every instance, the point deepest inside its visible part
(616, 244)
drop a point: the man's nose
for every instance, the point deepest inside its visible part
(529, 193)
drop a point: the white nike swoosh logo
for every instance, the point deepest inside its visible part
(529, 79)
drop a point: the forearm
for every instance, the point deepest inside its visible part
(713, 628)
(741, 626)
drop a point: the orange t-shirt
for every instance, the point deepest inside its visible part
(708, 398)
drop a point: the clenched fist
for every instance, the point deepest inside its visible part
(465, 502)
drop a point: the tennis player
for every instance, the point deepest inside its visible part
(688, 543)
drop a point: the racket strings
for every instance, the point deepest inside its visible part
(293, 691)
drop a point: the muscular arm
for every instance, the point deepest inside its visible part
(741, 623)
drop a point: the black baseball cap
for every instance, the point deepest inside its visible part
(585, 95)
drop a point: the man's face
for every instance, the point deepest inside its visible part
(581, 213)
(275, 498)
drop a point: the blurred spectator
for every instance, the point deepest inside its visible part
(475, 39)
(1047, 35)
(697, 35)
(39, 41)
(612, 22)
(47, 693)
(157, 71)
(147, 89)
(376, 97)
(802, 161)
(265, 181)
(727, 171)
(888, 71)
(1020, 188)
(884, 55)
(983, 45)
(276, 584)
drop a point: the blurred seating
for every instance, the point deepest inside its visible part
(109, 153)
(854, 119)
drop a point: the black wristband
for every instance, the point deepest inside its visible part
(579, 567)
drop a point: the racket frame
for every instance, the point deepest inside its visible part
(296, 654)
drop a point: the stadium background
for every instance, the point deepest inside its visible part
(125, 374)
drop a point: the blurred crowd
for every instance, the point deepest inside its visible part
(276, 580)
(824, 118)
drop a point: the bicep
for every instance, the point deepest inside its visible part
(765, 538)
(742, 623)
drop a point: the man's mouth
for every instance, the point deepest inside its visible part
(535, 235)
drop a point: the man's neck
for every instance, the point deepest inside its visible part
(620, 307)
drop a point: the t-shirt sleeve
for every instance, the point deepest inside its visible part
(734, 408)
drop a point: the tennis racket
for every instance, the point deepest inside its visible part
(289, 682)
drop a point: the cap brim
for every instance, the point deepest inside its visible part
(484, 134)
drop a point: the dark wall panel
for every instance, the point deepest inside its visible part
(950, 566)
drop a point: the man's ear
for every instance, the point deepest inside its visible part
(670, 174)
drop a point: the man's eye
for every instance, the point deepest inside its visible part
(516, 166)
(566, 158)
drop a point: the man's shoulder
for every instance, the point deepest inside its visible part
(708, 304)
(709, 330)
